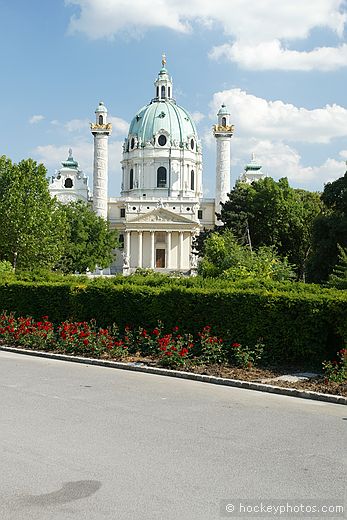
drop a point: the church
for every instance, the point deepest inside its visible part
(161, 207)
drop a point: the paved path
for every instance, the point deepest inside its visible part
(84, 442)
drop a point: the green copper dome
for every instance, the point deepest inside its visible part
(223, 111)
(163, 115)
(253, 165)
(70, 162)
(101, 107)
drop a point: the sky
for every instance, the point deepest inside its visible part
(279, 66)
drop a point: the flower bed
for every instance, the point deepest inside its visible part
(204, 352)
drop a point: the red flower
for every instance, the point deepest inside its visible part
(85, 342)
(236, 345)
(156, 332)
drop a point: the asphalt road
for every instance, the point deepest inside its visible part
(84, 442)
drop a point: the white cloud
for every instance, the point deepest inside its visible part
(254, 116)
(271, 129)
(197, 117)
(272, 55)
(76, 125)
(282, 160)
(258, 28)
(36, 119)
(119, 126)
(52, 155)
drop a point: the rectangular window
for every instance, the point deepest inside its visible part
(122, 212)
(199, 214)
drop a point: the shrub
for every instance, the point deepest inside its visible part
(210, 348)
(294, 324)
(244, 356)
(336, 370)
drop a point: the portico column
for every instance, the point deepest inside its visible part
(127, 243)
(168, 247)
(152, 249)
(140, 250)
(180, 250)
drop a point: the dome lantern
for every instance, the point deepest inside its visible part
(163, 84)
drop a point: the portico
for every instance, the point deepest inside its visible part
(159, 240)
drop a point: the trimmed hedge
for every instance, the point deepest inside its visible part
(294, 326)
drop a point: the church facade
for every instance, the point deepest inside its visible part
(161, 207)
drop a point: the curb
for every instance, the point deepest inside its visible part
(260, 387)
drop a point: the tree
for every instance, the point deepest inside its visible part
(32, 229)
(270, 213)
(338, 278)
(335, 195)
(329, 230)
(89, 239)
(225, 257)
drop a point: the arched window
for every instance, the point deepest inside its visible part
(163, 91)
(121, 241)
(161, 177)
(131, 179)
(192, 180)
(157, 91)
(224, 121)
(68, 183)
(169, 92)
(101, 120)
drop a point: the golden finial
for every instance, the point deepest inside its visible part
(163, 60)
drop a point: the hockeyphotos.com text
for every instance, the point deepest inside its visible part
(238, 507)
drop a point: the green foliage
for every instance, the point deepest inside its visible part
(210, 349)
(226, 258)
(329, 230)
(336, 370)
(244, 356)
(32, 230)
(270, 213)
(338, 278)
(90, 240)
(5, 267)
(335, 195)
(294, 321)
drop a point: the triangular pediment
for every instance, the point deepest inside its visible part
(162, 215)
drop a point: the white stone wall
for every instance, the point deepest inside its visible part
(79, 190)
(178, 163)
(100, 173)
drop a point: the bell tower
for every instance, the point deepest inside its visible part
(101, 129)
(223, 133)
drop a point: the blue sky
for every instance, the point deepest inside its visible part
(279, 66)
